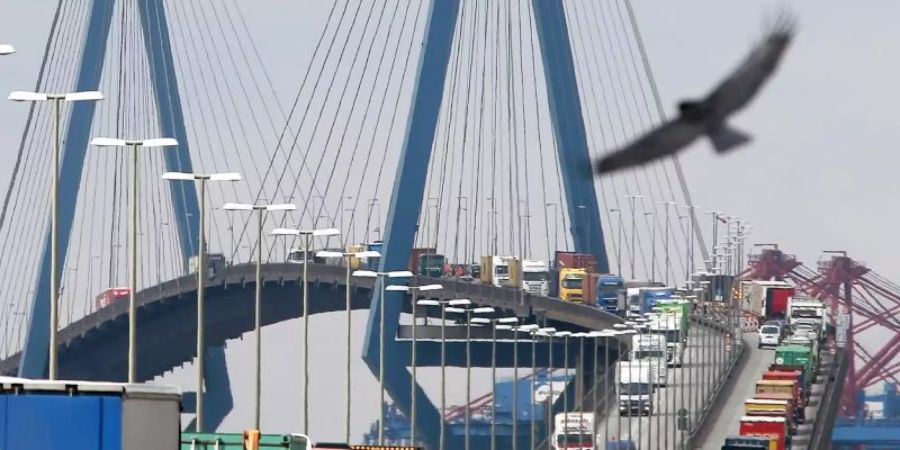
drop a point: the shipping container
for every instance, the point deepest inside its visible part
(746, 443)
(235, 441)
(590, 288)
(515, 273)
(572, 260)
(790, 375)
(767, 298)
(111, 295)
(772, 428)
(795, 355)
(487, 269)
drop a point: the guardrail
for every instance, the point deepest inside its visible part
(821, 435)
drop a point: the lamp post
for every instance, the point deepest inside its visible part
(307, 235)
(57, 99)
(565, 393)
(532, 330)
(468, 313)
(618, 239)
(347, 256)
(257, 306)
(413, 291)
(652, 216)
(381, 276)
(548, 333)
(133, 145)
(668, 261)
(502, 323)
(457, 303)
(606, 334)
(633, 199)
(201, 179)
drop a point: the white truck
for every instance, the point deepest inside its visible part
(650, 350)
(668, 325)
(635, 388)
(573, 431)
(808, 313)
(500, 267)
(535, 277)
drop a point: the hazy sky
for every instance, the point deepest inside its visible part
(820, 174)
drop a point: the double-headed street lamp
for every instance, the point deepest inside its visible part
(382, 275)
(468, 319)
(501, 323)
(257, 309)
(57, 99)
(455, 303)
(413, 291)
(307, 234)
(347, 256)
(133, 146)
(202, 178)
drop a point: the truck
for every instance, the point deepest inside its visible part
(535, 277)
(642, 300)
(650, 350)
(608, 292)
(772, 428)
(373, 262)
(495, 270)
(745, 443)
(635, 389)
(795, 355)
(795, 376)
(669, 326)
(431, 265)
(572, 260)
(810, 312)
(761, 407)
(215, 262)
(573, 431)
(782, 390)
(767, 299)
(514, 267)
(571, 284)
(111, 295)
(678, 306)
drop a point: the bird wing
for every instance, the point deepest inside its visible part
(664, 140)
(738, 89)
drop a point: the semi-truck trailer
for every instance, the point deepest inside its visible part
(669, 326)
(650, 350)
(635, 389)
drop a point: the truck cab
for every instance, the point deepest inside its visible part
(573, 431)
(808, 313)
(650, 350)
(571, 285)
(642, 300)
(432, 265)
(535, 277)
(669, 326)
(608, 290)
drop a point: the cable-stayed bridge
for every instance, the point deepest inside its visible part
(465, 127)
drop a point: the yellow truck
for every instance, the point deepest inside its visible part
(571, 284)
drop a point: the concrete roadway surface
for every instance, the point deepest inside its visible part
(704, 352)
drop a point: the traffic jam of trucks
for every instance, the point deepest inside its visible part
(796, 328)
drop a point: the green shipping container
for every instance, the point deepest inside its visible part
(794, 355)
(235, 441)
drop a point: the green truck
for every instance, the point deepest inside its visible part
(677, 306)
(795, 355)
(235, 441)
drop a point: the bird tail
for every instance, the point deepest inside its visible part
(725, 139)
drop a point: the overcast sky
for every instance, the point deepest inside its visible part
(820, 174)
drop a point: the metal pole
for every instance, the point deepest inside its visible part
(381, 365)
(54, 242)
(594, 393)
(494, 386)
(605, 389)
(132, 272)
(349, 327)
(306, 336)
(443, 375)
(653, 252)
(258, 322)
(533, 387)
(515, 414)
(565, 391)
(412, 394)
(619, 246)
(619, 377)
(633, 232)
(668, 262)
(201, 285)
(550, 398)
(468, 372)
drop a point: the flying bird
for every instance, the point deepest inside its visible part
(709, 116)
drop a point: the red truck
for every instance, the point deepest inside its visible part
(773, 428)
(110, 295)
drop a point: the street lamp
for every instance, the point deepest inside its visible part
(532, 330)
(347, 256)
(452, 303)
(133, 145)
(6, 49)
(618, 239)
(257, 309)
(382, 276)
(652, 216)
(547, 332)
(413, 290)
(201, 271)
(468, 312)
(633, 199)
(57, 99)
(565, 393)
(307, 235)
(502, 323)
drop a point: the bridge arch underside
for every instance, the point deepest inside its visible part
(96, 346)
